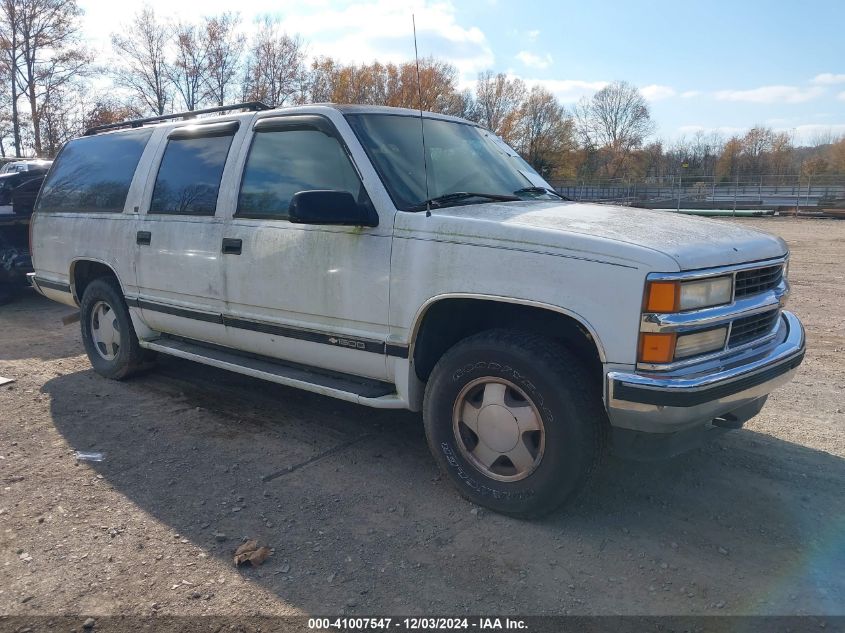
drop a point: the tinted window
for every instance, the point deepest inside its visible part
(94, 173)
(282, 163)
(189, 175)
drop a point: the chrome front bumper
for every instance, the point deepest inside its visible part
(669, 402)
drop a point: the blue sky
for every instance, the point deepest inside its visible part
(713, 65)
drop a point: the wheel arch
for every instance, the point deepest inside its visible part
(476, 312)
(84, 270)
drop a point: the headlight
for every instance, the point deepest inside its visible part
(677, 296)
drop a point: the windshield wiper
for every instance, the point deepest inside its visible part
(541, 190)
(444, 200)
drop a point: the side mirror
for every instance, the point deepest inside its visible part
(327, 207)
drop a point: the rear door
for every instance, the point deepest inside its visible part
(179, 237)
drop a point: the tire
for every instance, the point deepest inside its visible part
(548, 406)
(107, 331)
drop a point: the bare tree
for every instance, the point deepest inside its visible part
(617, 116)
(189, 70)
(143, 67)
(275, 72)
(48, 55)
(499, 100)
(616, 119)
(224, 49)
(10, 42)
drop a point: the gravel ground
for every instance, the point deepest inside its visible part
(360, 522)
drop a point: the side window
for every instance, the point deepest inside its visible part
(93, 173)
(189, 176)
(282, 163)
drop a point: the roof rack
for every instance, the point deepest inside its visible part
(249, 106)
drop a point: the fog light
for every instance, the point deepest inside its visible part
(657, 348)
(700, 342)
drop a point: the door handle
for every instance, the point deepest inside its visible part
(232, 246)
(143, 238)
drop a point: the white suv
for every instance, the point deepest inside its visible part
(337, 249)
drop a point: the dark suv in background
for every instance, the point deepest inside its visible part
(19, 185)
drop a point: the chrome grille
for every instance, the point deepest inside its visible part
(747, 329)
(757, 280)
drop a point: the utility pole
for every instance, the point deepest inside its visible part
(684, 165)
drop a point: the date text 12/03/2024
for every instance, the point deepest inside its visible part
(417, 624)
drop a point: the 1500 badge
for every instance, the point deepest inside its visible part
(345, 342)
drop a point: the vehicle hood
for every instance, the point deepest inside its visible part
(692, 242)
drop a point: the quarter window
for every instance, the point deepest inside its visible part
(93, 173)
(188, 179)
(282, 163)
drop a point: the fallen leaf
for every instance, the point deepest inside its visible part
(251, 553)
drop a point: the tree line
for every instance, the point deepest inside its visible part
(52, 88)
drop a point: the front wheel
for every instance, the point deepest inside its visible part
(515, 421)
(107, 331)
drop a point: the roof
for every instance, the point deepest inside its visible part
(247, 109)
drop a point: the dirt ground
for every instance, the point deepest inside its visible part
(196, 460)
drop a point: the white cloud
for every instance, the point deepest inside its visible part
(655, 92)
(689, 94)
(771, 94)
(829, 78)
(534, 61)
(841, 96)
(568, 90)
(532, 35)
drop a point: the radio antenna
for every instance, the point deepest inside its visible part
(422, 125)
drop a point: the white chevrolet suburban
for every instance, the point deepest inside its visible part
(405, 260)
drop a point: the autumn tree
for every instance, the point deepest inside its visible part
(106, 110)
(396, 85)
(224, 49)
(727, 167)
(544, 133)
(836, 156)
(142, 67)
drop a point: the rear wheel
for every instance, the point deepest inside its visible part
(107, 331)
(514, 420)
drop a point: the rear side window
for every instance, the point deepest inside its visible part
(93, 173)
(283, 163)
(189, 176)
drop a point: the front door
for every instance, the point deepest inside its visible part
(313, 294)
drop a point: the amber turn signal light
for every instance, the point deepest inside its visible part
(663, 296)
(657, 348)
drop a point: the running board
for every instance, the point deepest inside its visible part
(371, 393)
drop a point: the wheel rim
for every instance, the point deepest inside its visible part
(105, 330)
(498, 429)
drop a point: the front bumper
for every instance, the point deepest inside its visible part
(681, 401)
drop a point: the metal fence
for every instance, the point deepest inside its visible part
(759, 192)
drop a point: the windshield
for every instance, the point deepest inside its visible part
(461, 158)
